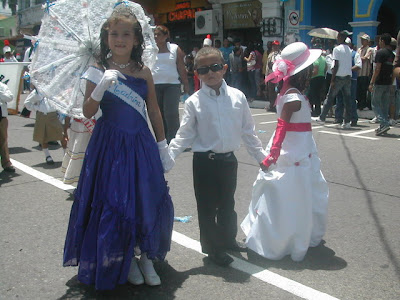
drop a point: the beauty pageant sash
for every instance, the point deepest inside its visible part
(119, 89)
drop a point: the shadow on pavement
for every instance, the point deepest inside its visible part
(6, 177)
(172, 280)
(44, 165)
(18, 150)
(317, 258)
(379, 224)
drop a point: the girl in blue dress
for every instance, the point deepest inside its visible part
(122, 204)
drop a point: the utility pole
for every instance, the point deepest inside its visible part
(283, 19)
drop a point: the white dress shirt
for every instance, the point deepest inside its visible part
(217, 123)
(38, 102)
(5, 96)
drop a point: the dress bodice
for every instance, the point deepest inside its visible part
(121, 114)
(296, 145)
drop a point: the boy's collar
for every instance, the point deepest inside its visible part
(212, 92)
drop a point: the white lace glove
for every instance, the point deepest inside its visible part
(110, 77)
(166, 159)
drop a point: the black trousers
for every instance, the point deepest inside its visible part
(362, 91)
(316, 93)
(215, 181)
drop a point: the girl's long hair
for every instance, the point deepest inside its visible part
(123, 13)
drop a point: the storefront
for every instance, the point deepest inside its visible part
(179, 17)
(242, 20)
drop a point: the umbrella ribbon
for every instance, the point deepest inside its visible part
(121, 2)
(47, 6)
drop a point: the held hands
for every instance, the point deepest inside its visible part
(110, 77)
(271, 158)
(166, 159)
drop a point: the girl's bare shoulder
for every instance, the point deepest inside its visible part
(144, 73)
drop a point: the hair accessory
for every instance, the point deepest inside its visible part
(150, 50)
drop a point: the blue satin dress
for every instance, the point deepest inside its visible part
(122, 199)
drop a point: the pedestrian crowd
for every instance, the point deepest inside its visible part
(122, 216)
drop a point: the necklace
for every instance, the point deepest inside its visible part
(121, 66)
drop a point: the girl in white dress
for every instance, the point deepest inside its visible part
(287, 214)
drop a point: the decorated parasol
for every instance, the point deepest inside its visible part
(69, 41)
(325, 33)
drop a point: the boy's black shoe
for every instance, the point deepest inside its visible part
(221, 258)
(237, 247)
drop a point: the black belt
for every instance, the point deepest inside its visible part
(215, 156)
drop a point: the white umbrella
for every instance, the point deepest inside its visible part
(69, 42)
(325, 33)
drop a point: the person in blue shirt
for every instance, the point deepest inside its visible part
(226, 50)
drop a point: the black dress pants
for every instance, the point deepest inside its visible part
(215, 178)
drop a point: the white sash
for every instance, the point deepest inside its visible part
(119, 89)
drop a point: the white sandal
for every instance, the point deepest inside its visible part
(135, 276)
(146, 266)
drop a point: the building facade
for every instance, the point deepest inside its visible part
(252, 20)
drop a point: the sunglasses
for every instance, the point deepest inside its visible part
(214, 68)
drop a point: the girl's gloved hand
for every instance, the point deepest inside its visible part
(166, 159)
(110, 77)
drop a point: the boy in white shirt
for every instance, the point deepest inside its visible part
(215, 121)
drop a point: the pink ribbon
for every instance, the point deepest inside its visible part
(279, 75)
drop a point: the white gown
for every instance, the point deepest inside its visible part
(288, 210)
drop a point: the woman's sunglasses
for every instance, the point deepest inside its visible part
(214, 68)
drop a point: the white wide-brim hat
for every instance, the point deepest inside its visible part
(300, 56)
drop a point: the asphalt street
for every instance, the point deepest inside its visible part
(359, 259)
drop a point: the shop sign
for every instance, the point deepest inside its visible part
(242, 14)
(183, 11)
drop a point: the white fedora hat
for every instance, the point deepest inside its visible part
(294, 58)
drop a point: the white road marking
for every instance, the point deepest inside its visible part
(264, 114)
(349, 134)
(269, 122)
(42, 176)
(360, 132)
(266, 276)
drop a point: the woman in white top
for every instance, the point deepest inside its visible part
(168, 73)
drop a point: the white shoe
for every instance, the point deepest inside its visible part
(135, 276)
(318, 120)
(346, 126)
(392, 122)
(146, 266)
(374, 120)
